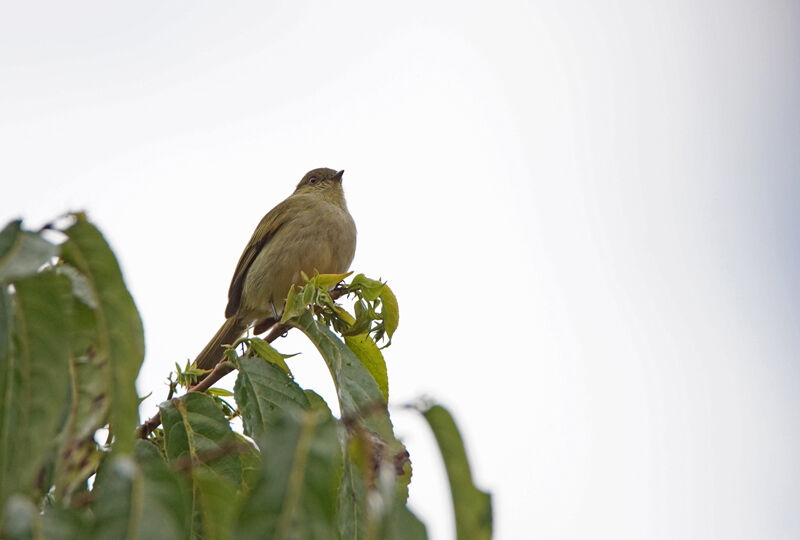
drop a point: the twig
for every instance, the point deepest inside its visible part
(220, 370)
(276, 331)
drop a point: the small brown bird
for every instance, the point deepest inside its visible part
(310, 230)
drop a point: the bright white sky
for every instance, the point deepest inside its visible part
(588, 212)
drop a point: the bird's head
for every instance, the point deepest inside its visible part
(320, 180)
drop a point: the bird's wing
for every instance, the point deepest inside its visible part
(265, 231)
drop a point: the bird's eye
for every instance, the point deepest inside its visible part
(312, 180)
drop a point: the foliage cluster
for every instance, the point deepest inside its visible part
(71, 345)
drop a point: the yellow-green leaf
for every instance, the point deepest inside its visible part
(389, 311)
(219, 392)
(267, 352)
(370, 355)
(370, 288)
(326, 281)
(294, 305)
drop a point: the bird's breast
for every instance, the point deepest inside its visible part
(320, 238)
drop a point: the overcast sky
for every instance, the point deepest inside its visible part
(588, 212)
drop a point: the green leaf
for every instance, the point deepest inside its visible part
(34, 376)
(473, 507)
(261, 389)
(166, 493)
(198, 439)
(374, 490)
(215, 504)
(119, 327)
(197, 434)
(251, 461)
(328, 281)
(22, 253)
(219, 392)
(80, 285)
(315, 401)
(140, 499)
(362, 322)
(77, 462)
(373, 452)
(389, 310)
(9, 237)
(352, 498)
(268, 353)
(404, 525)
(302, 464)
(21, 520)
(90, 401)
(358, 392)
(370, 288)
(67, 523)
(294, 305)
(308, 294)
(370, 355)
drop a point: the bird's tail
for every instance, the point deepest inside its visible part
(231, 330)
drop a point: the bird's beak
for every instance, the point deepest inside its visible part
(338, 176)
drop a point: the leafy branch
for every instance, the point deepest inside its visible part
(71, 345)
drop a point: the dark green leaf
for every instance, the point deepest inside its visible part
(374, 489)
(261, 389)
(22, 253)
(166, 493)
(9, 236)
(67, 523)
(119, 328)
(80, 285)
(197, 434)
(373, 454)
(358, 392)
(352, 501)
(215, 504)
(251, 461)
(402, 524)
(473, 507)
(140, 499)
(302, 466)
(316, 402)
(21, 520)
(34, 375)
(78, 461)
(91, 399)
(362, 322)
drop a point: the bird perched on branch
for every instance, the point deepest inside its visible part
(310, 230)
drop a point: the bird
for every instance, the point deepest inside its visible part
(311, 230)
